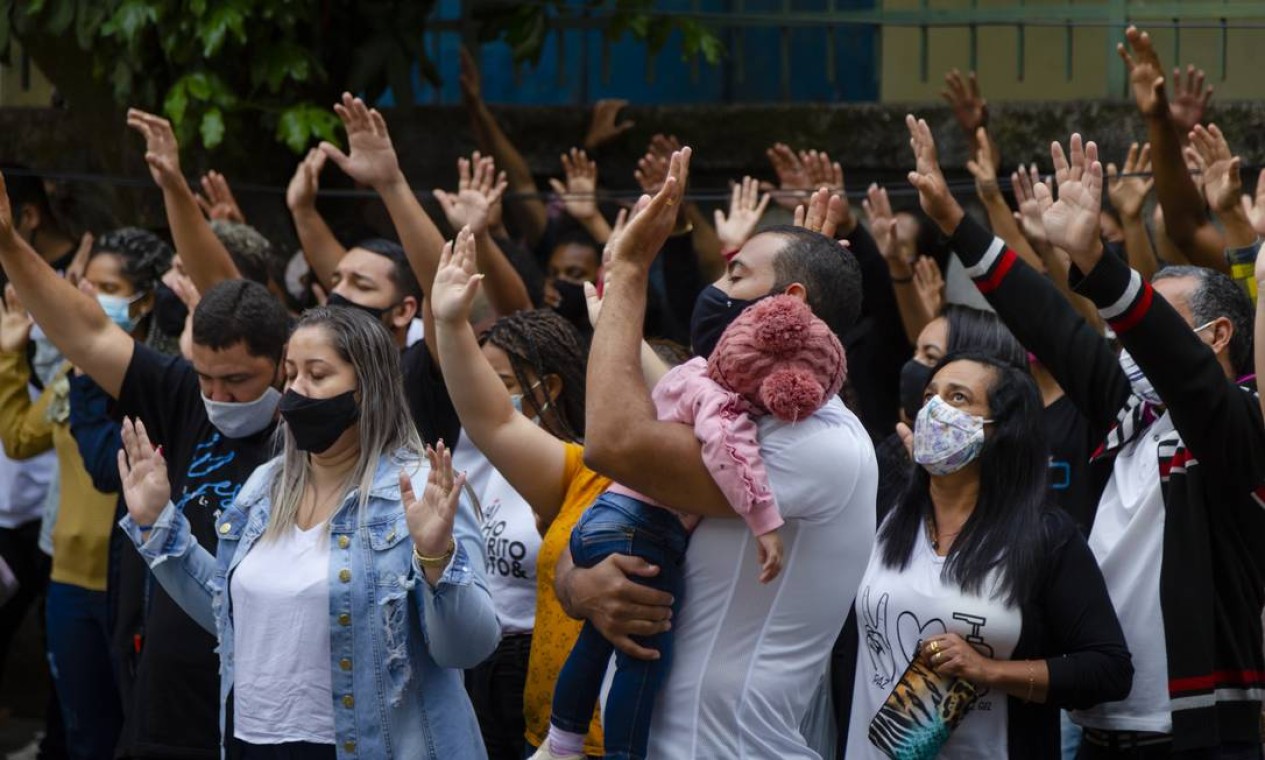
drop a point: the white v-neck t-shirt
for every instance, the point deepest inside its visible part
(283, 688)
(898, 608)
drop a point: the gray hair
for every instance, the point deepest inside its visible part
(250, 250)
(386, 426)
(1216, 296)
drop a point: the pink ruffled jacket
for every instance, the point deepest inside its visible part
(731, 447)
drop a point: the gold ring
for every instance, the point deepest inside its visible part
(671, 202)
(937, 657)
(935, 647)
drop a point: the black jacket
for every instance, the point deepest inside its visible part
(1212, 469)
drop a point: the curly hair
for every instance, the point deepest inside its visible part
(146, 257)
(547, 344)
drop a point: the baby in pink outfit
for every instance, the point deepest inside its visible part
(775, 358)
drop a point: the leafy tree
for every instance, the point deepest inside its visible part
(214, 66)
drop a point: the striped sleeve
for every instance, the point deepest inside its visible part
(1123, 298)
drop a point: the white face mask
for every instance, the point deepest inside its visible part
(946, 439)
(245, 418)
(1137, 379)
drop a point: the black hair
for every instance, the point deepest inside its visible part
(671, 352)
(145, 256)
(548, 344)
(1004, 533)
(980, 331)
(25, 188)
(237, 311)
(1216, 296)
(580, 238)
(829, 273)
(402, 273)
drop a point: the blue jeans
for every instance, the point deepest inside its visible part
(79, 660)
(620, 525)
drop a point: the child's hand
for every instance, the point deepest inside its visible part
(769, 551)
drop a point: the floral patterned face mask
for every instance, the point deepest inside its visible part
(946, 439)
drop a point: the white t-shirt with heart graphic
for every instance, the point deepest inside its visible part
(896, 609)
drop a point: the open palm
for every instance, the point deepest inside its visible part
(143, 472)
(430, 518)
(457, 280)
(1072, 222)
(372, 160)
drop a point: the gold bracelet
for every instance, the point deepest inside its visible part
(1032, 680)
(436, 562)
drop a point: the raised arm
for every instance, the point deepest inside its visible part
(1030, 306)
(624, 438)
(984, 168)
(321, 249)
(1128, 191)
(527, 209)
(914, 315)
(579, 194)
(24, 427)
(205, 258)
(1187, 224)
(473, 205)
(530, 458)
(74, 322)
(1222, 184)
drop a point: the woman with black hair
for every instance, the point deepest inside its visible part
(122, 270)
(982, 611)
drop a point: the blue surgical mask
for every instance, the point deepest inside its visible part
(517, 400)
(119, 309)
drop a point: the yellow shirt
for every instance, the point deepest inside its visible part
(81, 536)
(555, 632)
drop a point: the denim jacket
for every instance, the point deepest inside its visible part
(397, 646)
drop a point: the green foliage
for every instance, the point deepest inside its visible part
(219, 66)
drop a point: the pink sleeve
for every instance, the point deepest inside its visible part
(731, 446)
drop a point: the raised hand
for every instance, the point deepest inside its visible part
(1254, 208)
(1190, 98)
(216, 199)
(883, 227)
(1128, 193)
(1072, 222)
(769, 553)
(457, 280)
(431, 517)
(1210, 153)
(653, 218)
(579, 193)
(984, 167)
(929, 283)
(1146, 74)
(470, 80)
(794, 182)
(823, 213)
(74, 272)
(143, 471)
(162, 152)
(651, 171)
(301, 192)
(604, 127)
(963, 96)
(15, 322)
(477, 202)
(372, 160)
(928, 180)
(1023, 182)
(745, 209)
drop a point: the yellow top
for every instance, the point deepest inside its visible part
(81, 536)
(555, 632)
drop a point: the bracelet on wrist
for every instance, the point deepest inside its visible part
(436, 562)
(902, 280)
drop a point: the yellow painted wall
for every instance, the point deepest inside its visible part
(1045, 70)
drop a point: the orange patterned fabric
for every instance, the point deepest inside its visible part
(555, 633)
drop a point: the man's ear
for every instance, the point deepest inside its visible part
(1222, 331)
(797, 290)
(404, 313)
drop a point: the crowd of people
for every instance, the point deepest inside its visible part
(976, 478)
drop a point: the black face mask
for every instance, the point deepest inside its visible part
(572, 305)
(713, 313)
(337, 299)
(914, 377)
(316, 423)
(170, 312)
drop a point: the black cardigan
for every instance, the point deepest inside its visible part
(1211, 470)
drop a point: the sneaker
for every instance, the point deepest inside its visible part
(544, 754)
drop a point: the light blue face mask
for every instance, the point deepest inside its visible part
(119, 309)
(517, 400)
